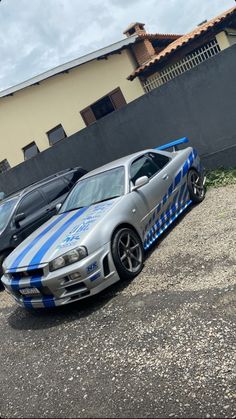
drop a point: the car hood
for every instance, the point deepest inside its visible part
(60, 234)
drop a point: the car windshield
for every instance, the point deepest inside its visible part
(6, 208)
(95, 189)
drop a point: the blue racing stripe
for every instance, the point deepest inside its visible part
(194, 153)
(177, 178)
(181, 191)
(158, 208)
(48, 301)
(185, 168)
(15, 283)
(24, 252)
(164, 199)
(36, 281)
(191, 159)
(170, 190)
(46, 246)
(28, 302)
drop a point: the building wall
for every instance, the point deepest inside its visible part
(226, 38)
(223, 40)
(199, 104)
(30, 113)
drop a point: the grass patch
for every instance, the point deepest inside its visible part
(220, 177)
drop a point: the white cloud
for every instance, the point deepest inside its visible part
(36, 35)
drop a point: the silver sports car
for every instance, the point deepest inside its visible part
(100, 232)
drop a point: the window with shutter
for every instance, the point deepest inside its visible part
(102, 107)
(88, 116)
(117, 98)
(56, 134)
(30, 150)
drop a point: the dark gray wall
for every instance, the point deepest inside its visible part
(200, 104)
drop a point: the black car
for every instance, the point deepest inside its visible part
(24, 211)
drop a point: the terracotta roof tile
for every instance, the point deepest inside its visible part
(185, 39)
(158, 36)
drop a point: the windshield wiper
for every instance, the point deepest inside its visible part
(71, 209)
(92, 203)
(105, 199)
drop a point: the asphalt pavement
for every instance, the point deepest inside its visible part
(162, 345)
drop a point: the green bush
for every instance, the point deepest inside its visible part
(220, 177)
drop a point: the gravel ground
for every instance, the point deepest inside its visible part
(162, 345)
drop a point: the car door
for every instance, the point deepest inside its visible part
(55, 192)
(33, 206)
(175, 185)
(149, 198)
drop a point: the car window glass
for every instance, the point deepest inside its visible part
(31, 203)
(6, 208)
(55, 189)
(143, 166)
(159, 160)
(97, 188)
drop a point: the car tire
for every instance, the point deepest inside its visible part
(196, 188)
(127, 253)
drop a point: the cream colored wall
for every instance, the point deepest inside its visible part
(222, 40)
(226, 38)
(30, 113)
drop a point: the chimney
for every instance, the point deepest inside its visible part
(135, 29)
(142, 49)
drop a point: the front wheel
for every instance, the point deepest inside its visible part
(127, 252)
(196, 186)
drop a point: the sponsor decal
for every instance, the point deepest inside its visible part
(95, 276)
(92, 267)
(75, 234)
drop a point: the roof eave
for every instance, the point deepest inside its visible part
(64, 68)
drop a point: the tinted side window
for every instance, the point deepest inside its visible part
(143, 166)
(159, 160)
(31, 203)
(55, 189)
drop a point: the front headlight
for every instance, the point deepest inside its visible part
(68, 258)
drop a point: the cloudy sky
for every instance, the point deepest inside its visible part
(36, 35)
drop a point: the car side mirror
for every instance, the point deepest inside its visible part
(19, 217)
(58, 207)
(141, 181)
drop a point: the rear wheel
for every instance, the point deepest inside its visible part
(196, 186)
(127, 252)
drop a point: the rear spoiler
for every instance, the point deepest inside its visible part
(173, 144)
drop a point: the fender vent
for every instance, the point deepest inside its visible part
(106, 268)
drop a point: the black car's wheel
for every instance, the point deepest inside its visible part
(196, 186)
(127, 252)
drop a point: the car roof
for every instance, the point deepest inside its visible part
(41, 182)
(124, 161)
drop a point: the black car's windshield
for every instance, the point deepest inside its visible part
(95, 189)
(6, 208)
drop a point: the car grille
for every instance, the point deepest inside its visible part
(26, 274)
(80, 287)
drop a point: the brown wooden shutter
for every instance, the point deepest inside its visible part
(88, 116)
(117, 98)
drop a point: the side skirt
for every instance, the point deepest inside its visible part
(156, 232)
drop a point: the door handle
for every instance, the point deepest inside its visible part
(165, 176)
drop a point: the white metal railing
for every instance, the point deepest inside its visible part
(187, 63)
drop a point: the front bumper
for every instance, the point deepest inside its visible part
(71, 283)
